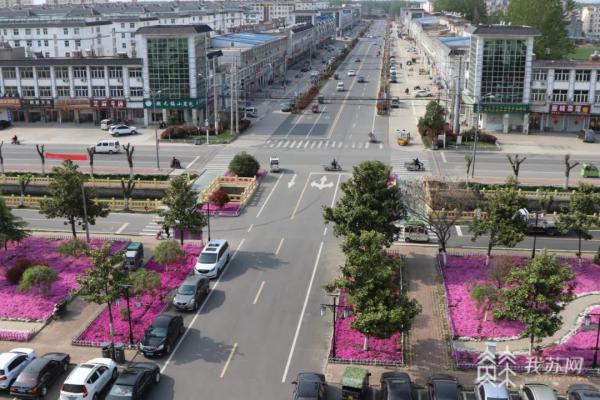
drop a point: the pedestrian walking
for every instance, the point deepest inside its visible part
(167, 231)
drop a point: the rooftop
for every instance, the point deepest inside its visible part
(248, 38)
(500, 29)
(174, 29)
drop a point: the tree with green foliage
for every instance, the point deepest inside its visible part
(433, 119)
(367, 277)
(168, 252)
(73, 248)
(489, 295)
(244, 165)
(40, 277)
(144, 281)
(535, 295)
(101, 284)
(549, 17)
(473, 10)
(12, 227)
(368, 203)
(579, 216)
(500, 221)
(182, 212)
(66, 198)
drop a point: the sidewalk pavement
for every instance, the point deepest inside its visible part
(546, 143)
(574, 181)
(429, 353)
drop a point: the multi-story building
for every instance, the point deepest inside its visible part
(15, 3)
(496, 6)
(304, 38)
(590, 19)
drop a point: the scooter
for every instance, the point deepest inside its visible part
(331, 168)
(411, 166)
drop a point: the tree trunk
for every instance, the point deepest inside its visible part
(567, 181)
(181, 237)
(489, 253)
(2, 166)
(111, 330)
(366, 343)
(22, 199)
(125, 203)
(92, 170)
(131, 172)
(72, 221)
(531, 337)
(43, 167)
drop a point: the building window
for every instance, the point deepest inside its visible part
(97, 73)
(26, 72)
(123, 45)
(122, 35)
(28, 43)
(538, 95)
(37, 31)
(98, 91)
(27, 31)
(136, 92)
(79, 72)
(98, 29)
(66, 31)
(27, 91)
(580, 96)
(116, 91)
(39, 43)
(561, 75)
(77, 43)
(168, 67)
(115, 72)
(45, 43)
(15, 32)
(559, 96)
(582, 75)
(11, 91)
(61, 72)
(9, 73)
(132, 24)
(47, 54)
(17, 43)
(66, 43)
(135, 72)
(122, 24)
(43, 72)
(98, 41)
(76, 31)
(45, 31)
(45, 91)
(81, 91)
(597, 99)
(63, 91)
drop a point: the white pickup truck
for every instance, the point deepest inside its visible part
(539, 222)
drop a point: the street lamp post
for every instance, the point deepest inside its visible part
(334, 307)
(487, 96)
(153, 96)
(86, 225)
(588, 322)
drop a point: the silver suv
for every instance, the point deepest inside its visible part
(190, 293)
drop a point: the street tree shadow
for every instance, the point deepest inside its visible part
(216, 299)
(198, 347)
(245, 260)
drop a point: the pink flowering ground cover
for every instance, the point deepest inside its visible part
(468, 322)
(349, 344)
(171, 277)
(30, 306)
(580, 344)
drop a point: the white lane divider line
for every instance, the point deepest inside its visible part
(269, 196)
(262, 285)
(234, 348)
(279, 247)
(122, 228)
(459, 230)
(193, 161)
(443, 157)
(251, 226)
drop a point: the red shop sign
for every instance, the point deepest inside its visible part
(569, 108)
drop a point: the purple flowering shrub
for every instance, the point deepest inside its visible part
(171, 277)
(468, 322)
(41, 251)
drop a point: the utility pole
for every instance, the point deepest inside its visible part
(231, 100)
(216, 96)
(456, 108)
(237, 108)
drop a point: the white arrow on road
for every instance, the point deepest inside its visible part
(292, 182)
(321, 183)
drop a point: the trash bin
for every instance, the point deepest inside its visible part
(108, 350)
(119, 353)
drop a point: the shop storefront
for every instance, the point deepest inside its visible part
(110, 109)
(503, 117)
(567, 117)
(74, 110)
(9, 107)
(173, 110)
(39, 110)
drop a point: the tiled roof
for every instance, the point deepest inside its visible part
(516, 30)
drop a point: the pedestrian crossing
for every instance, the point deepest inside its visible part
(152, 228)
(311, 144)
(398, 160)
(220, 162)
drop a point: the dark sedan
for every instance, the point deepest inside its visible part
(309, 386)
(443, 387)
(396, 386)
(135, 382)
(162, 335)
(33, 381)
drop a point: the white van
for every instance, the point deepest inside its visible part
(250, 112)
(213, 259)
(105, 124)
(340, 87)
(107, 146)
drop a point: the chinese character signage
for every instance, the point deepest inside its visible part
(8, 102)
(108, 103)
(173, 103)
(38, 103)
(569, 108)
(73, 103)
(502, 108)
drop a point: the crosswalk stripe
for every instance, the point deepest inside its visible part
(287, 142)
(360, 145)
(306, 144)
(367, 145)
(320, 144)
(333, 144)
(340, 145)
(279, 144)
(380, 146)
(353, 145)
(313, 144)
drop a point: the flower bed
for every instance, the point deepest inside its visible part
(171, 277)
(349, 345)
(31, 306)
(468, 323)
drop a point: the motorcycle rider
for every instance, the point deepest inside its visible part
(334, 164)
(417, 163)
(175, 163)
(15, 140)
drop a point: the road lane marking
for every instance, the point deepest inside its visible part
(353, 145)
(380, 146)
(192, 163)
(279, 143)
(279, 247)
(300, 198)
(269, 196)
(319, 146)
(443, 157)
(162, 370)
(312, 278)
(258, 293)
(251, 226)
(325, 231)
(228, 360)
(459, 230)
(306, 144)
(313, 144)
(353, 125)
(337, 185)
(122, 228)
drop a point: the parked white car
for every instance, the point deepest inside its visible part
(12, 363)
(107, 146)
(422, 93)
(351, 72)
(120, 130)
(88, 380)
(213, 259)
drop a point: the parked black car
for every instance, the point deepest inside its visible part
(39, 374)
(135, 382)
(4, 124)
(396, 386)
(309, 386)
(160, 337)
(443, 387)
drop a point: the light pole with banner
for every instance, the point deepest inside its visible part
(153, 95)
(479, 98)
